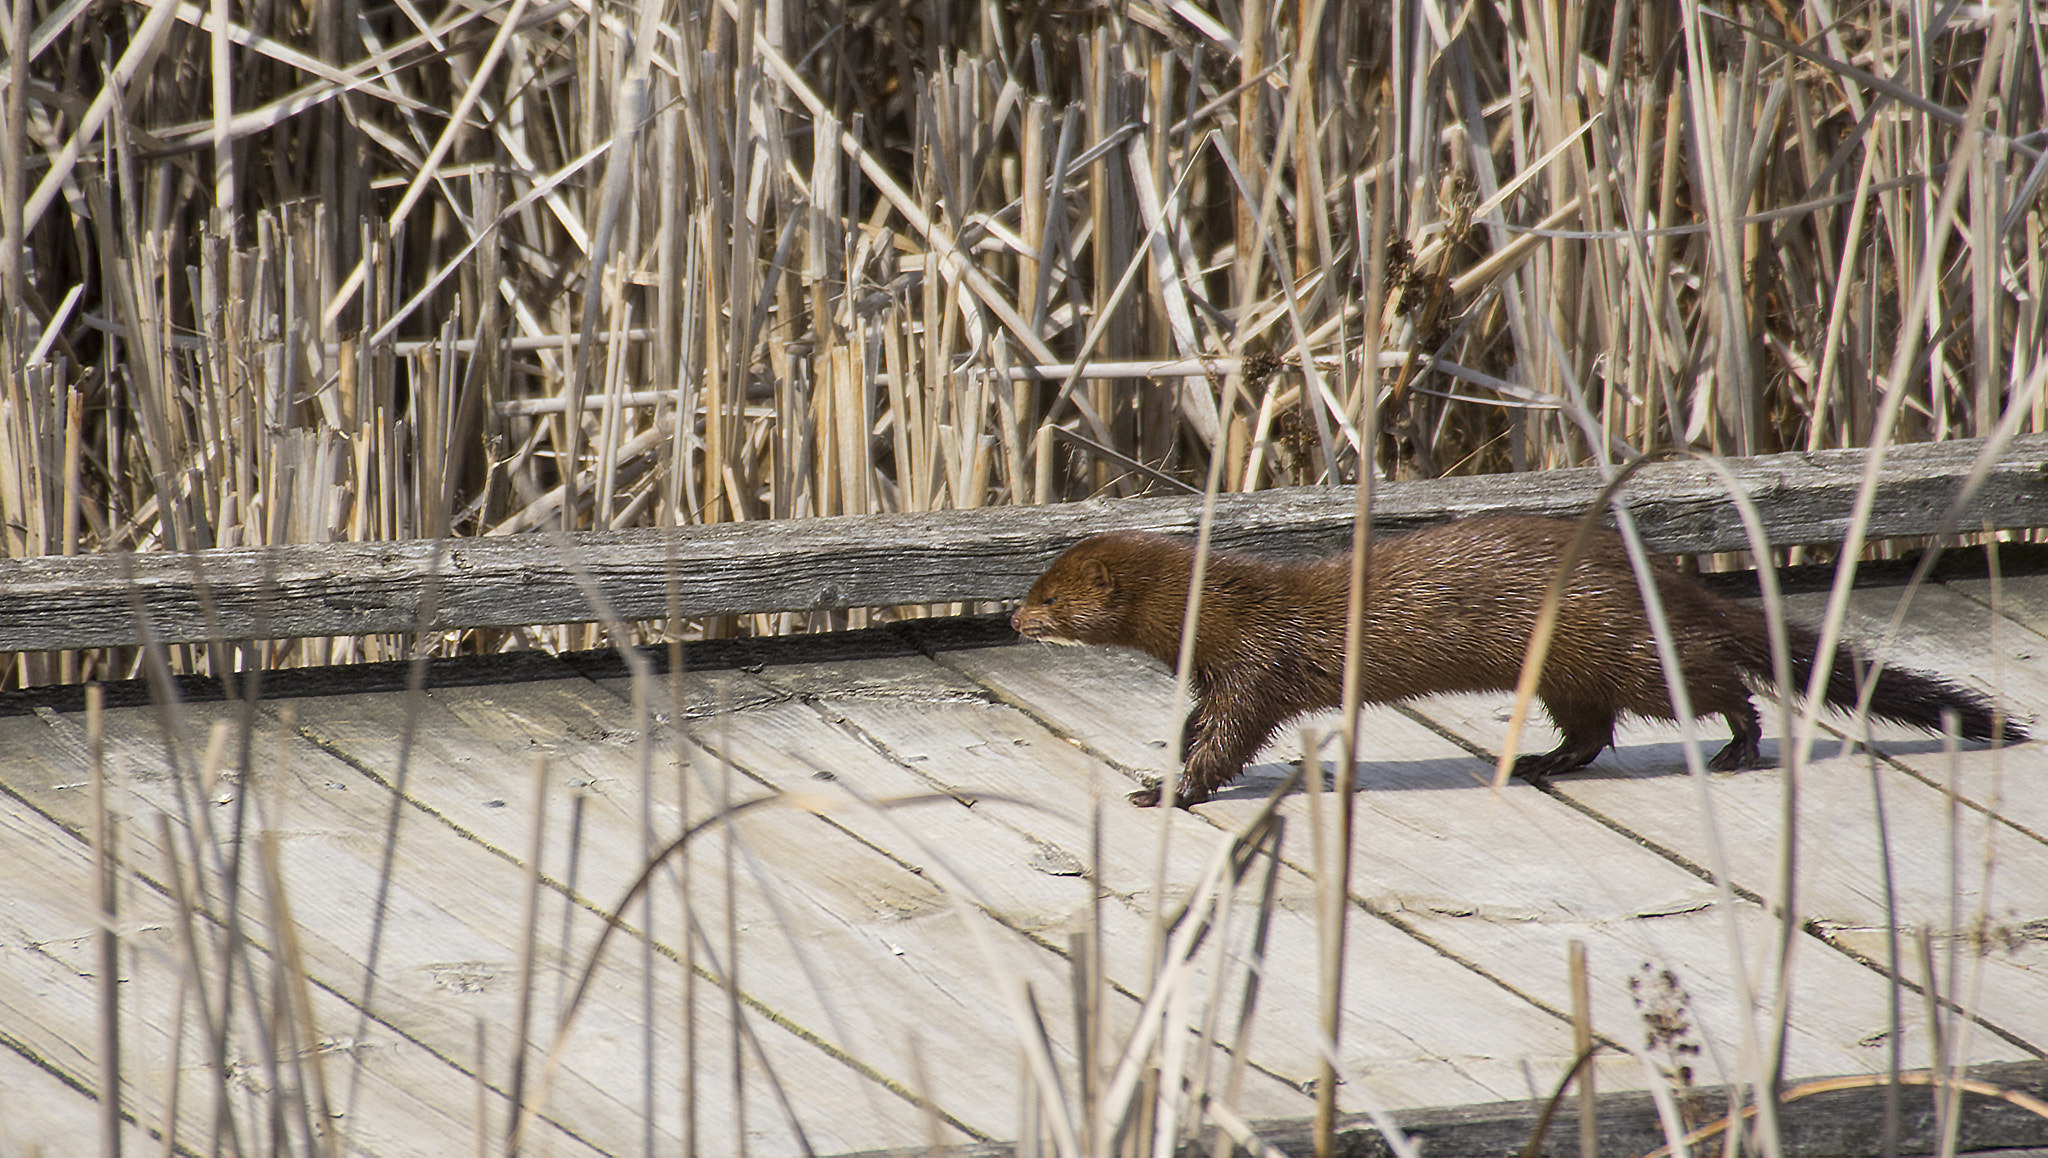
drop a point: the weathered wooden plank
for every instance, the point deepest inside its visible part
(1418, 1025)
(1841, 1123)
(920, 728)
(412, 1100)
(1846, 1122)
(1838, 1010)
(880, 936)
(1023, 865)
(1503, 883)
(449, 945)
(822, 911)
(1032, 886)
(42, 1113)
(881, 560)
(1985, 903)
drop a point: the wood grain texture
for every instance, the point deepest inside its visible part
(864, 983)
(880, 560)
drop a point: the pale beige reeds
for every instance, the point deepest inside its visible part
(519, 269)
(486, 271)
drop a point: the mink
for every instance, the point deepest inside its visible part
(1447, 609)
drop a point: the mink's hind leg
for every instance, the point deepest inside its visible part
(1588, 731)
(1563, 758)
(1745, 750)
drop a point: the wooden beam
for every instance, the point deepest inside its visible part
(879, 560)
(1831, 1123)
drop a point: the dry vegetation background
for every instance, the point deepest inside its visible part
(309, 273)
(304, 273)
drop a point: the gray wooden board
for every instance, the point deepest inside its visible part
(449, 951)
(1833, 1123)
(879, 949)
(1502, 882)
(870, 920)
(1019, 863)
(943, 556)
(2023, 601)
(40, 1112)
(462, 885)
(470, 737)
(931, 721)
(1640, 788)
(408, 1099)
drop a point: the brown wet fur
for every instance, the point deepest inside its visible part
(1448, 609)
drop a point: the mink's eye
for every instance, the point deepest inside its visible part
(1051, 599)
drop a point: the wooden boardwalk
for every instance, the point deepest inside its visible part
(878, 953)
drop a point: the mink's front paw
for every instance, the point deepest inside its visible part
(1149, 797)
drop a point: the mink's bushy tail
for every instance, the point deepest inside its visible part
(1903, 696)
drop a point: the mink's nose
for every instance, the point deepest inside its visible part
(1017, 621)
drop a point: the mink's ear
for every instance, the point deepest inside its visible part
(1096, 572)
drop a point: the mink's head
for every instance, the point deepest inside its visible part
(1086, 595)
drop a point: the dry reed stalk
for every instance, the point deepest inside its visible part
(522, 1021)
(1731, 222)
